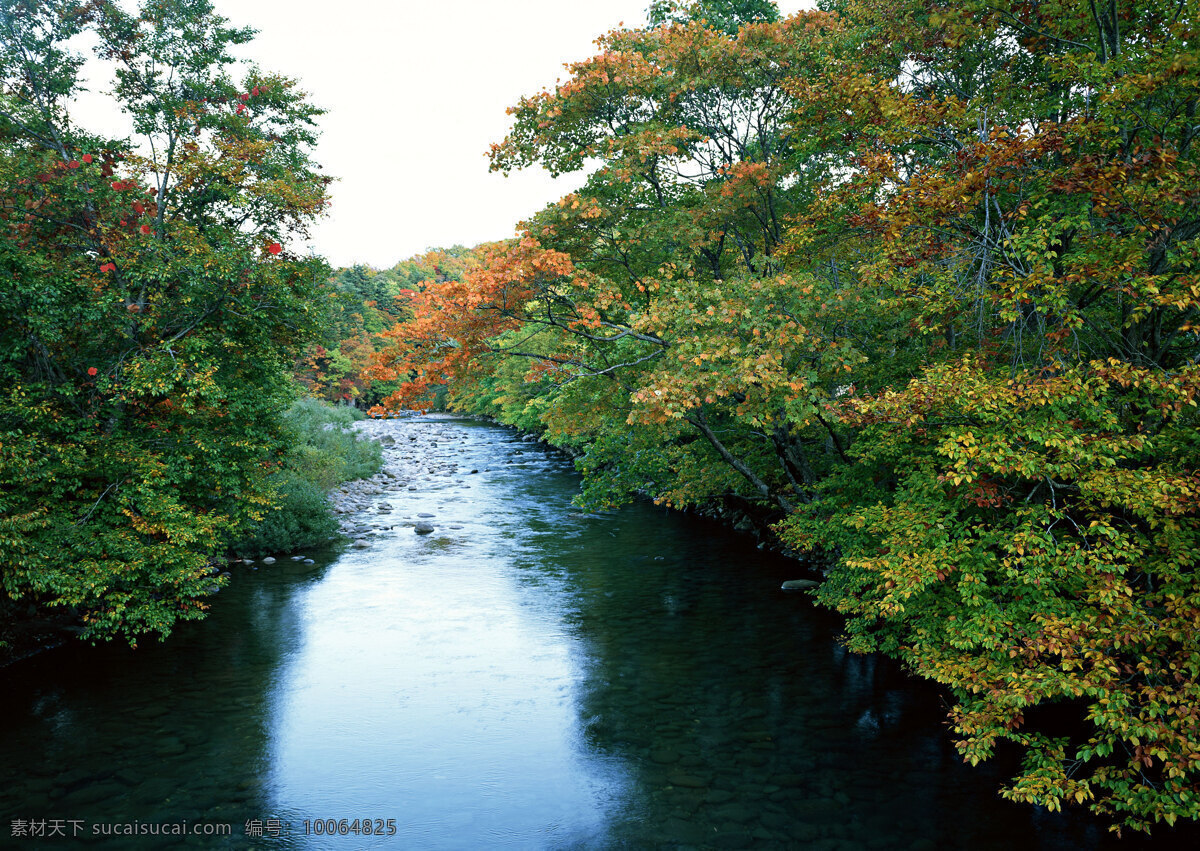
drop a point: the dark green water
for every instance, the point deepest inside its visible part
(532, 679)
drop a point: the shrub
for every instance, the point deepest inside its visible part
(323, 452)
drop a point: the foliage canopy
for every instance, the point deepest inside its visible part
(149, 312)
(919, 283)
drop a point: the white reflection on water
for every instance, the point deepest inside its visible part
(434, 683)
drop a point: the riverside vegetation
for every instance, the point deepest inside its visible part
(323, 451)
(913, 284)
(150, 318)
(917, 285)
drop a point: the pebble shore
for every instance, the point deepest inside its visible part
(417, 453)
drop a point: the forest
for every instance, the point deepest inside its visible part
(914, 286)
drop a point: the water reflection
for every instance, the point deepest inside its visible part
(171, 732)
(435, 683)
(526, 676)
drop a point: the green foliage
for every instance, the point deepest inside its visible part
(149, 313)
(322, 453)
(921, 281)
(725, 15)
(326, 451)
(299, 519)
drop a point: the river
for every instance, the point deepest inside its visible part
(524, 676)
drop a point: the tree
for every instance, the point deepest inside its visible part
(1020, 524)
(725, 15)
(150, 312)
(920, 283)
(676, 235)
(366, 303)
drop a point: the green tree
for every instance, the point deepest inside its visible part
(725, 15)
(919, 281)
(1020, 522)
(150, 312)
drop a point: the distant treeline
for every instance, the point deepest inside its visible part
(362, 304)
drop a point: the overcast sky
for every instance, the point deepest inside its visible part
(416, 91)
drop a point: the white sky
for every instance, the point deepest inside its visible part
(416, 91)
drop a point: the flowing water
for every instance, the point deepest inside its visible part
(525, 676)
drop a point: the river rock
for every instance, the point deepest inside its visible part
(268, 560)
(734, 812)
(677, 830)
(799, 585)
(775, 820)
(423, 528)
(361, 544)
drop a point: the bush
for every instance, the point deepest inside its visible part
(323, 452)
(301, 519)
(326, 452)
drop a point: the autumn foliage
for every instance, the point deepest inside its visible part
(918, 284)
(365, 305)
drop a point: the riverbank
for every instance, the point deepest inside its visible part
(525, 675)
(323, 451)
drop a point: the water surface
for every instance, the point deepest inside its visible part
(526, 676)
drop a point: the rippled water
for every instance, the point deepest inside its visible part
(523, 677)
